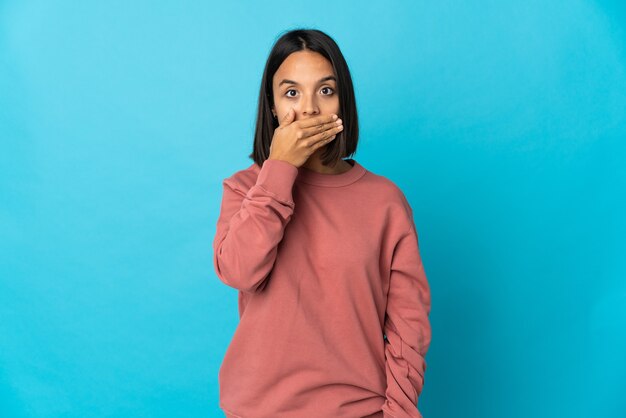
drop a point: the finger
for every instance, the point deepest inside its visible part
(323, 136)
(319, 128)
(318, 120)
(288, 118)
(320, 144)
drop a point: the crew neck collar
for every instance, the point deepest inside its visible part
(309, 176)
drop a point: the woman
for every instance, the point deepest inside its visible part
(324, 254)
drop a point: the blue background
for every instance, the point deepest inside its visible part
(503, 122)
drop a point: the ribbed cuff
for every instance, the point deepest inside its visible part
(278, 176)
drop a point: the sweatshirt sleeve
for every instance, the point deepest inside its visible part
(407, 329)
(251, 225)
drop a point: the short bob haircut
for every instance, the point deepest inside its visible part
(344, 145)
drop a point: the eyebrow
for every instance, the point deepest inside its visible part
(321, 80)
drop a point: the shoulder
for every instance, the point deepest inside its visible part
(387, 196)
(387, 191)
(243, 179)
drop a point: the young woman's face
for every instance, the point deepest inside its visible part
(305, 81)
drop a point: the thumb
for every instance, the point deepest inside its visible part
(288, 118)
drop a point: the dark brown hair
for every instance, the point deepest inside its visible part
(344, 145)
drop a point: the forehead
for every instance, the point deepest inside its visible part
(304, 67)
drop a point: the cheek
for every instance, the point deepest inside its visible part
(335, 102)
(326, 106)
(282, 105)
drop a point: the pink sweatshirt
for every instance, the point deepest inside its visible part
(326, 265)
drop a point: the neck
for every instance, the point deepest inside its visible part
(314, 163)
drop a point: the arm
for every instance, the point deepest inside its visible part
(407, 329)
(251, 225)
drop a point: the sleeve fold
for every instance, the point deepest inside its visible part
(407, 329)
(251, 225)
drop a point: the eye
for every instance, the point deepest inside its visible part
(323, 88)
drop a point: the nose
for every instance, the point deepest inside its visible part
(309, 106)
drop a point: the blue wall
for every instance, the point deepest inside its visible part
(504, 123)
